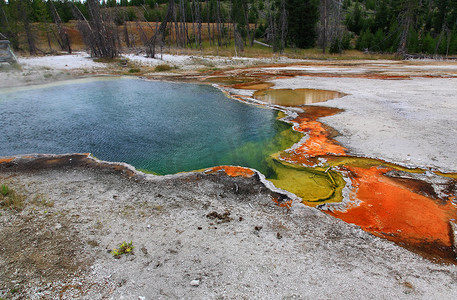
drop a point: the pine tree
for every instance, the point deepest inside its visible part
(302, 19)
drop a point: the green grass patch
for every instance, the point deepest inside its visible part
(10, 199)
(124, 248)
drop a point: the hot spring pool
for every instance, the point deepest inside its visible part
(159, 127)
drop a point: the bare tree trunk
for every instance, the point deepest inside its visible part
(126, 35)
(168, 18)
(48, 30)
(28, 31)
(184, 35)
(246, 17)
(448, 42)
(406, 22)
(158, 32)
(273, 30)
(254, 30)
(149, 43)
(208, 22)
(198, 18)
(219, 30)
(325, 21)
(443, 30)
(144, 39)
(192, 8)
(177, 35)
(98, 34)
(283, 24)
(64, 42)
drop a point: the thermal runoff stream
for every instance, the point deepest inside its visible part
(413, 207)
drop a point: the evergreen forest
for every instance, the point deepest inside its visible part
(109, 27)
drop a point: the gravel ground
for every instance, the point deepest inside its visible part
(196, 236)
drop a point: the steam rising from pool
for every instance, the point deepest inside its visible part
(155, 126)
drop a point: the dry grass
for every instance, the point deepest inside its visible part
(163, 68)
(208, 48)
(10, 199)
(41, 200)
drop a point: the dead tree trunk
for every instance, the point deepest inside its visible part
(64, 39)
(98, 34)
(196, 19)
(160, 32)
(219, 22)
(246, 17)
(406, 21)
(126, 35)
(325, 24)
(438, 43)
(199, 24)
(283, 25)
(28, 31)
(177, 34)
(208, 22)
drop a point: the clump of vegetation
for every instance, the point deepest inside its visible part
(124, 248)
(5, 190)
(123, 62)
(163, 68)
(107, 60)
(40, 200)
(10, 199)
(204, 62)
(134, 70)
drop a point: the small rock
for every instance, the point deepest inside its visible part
(195, 282)
(278, 236)
(454, 236)
(257, 230)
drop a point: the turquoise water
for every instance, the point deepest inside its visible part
(160, 127)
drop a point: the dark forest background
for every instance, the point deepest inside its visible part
(109, 27)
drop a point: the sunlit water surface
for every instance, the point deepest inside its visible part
(155, 126)
(295, 97)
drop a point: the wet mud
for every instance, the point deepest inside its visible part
(412, 212)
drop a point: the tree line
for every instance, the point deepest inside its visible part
(107, 26)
